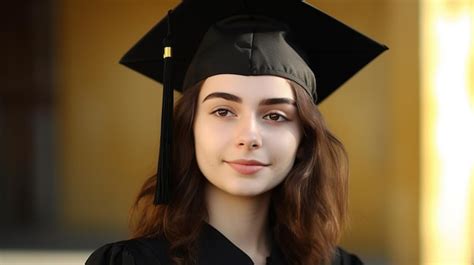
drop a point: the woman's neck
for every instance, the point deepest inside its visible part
(243, 220)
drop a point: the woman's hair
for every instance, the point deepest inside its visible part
(307, 211)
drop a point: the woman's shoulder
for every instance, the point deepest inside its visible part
(144, 251)
(137, 251)
(342, 257)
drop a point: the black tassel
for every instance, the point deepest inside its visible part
(162, 194)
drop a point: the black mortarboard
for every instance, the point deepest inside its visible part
(287, 38)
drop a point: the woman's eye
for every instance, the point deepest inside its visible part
(275, 117)
(222, 112)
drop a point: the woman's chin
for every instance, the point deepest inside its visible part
(244, 190)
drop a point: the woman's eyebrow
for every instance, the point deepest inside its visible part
(274, 101)
(267, 101)
(223, 95)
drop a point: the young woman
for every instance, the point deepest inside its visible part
(256, 176)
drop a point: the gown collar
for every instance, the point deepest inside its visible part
(215, 248)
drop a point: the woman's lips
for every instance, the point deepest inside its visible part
(246, 167)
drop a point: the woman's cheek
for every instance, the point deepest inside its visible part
(288, 141)
(213, 135)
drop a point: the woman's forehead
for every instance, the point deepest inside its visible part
(251, 87)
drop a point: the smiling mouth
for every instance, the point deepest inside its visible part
(246, 167)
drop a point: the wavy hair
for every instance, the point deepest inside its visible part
(307, 210)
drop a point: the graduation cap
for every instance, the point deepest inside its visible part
(287, 38)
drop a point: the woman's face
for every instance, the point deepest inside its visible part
(246, 132)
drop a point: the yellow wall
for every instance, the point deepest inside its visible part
(376, 114)
(108, 115)
(109, 120)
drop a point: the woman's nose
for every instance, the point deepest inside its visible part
(249, 133)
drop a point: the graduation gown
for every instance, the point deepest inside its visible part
(213, 249)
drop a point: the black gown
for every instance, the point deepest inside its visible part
(214, 249)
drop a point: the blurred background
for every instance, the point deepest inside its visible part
(79, 133)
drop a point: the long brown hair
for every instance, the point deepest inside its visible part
(307, 211)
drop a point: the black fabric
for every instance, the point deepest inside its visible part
(332, 50)
(249, 45)
(214, 249)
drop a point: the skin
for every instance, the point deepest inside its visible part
(235, 120)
